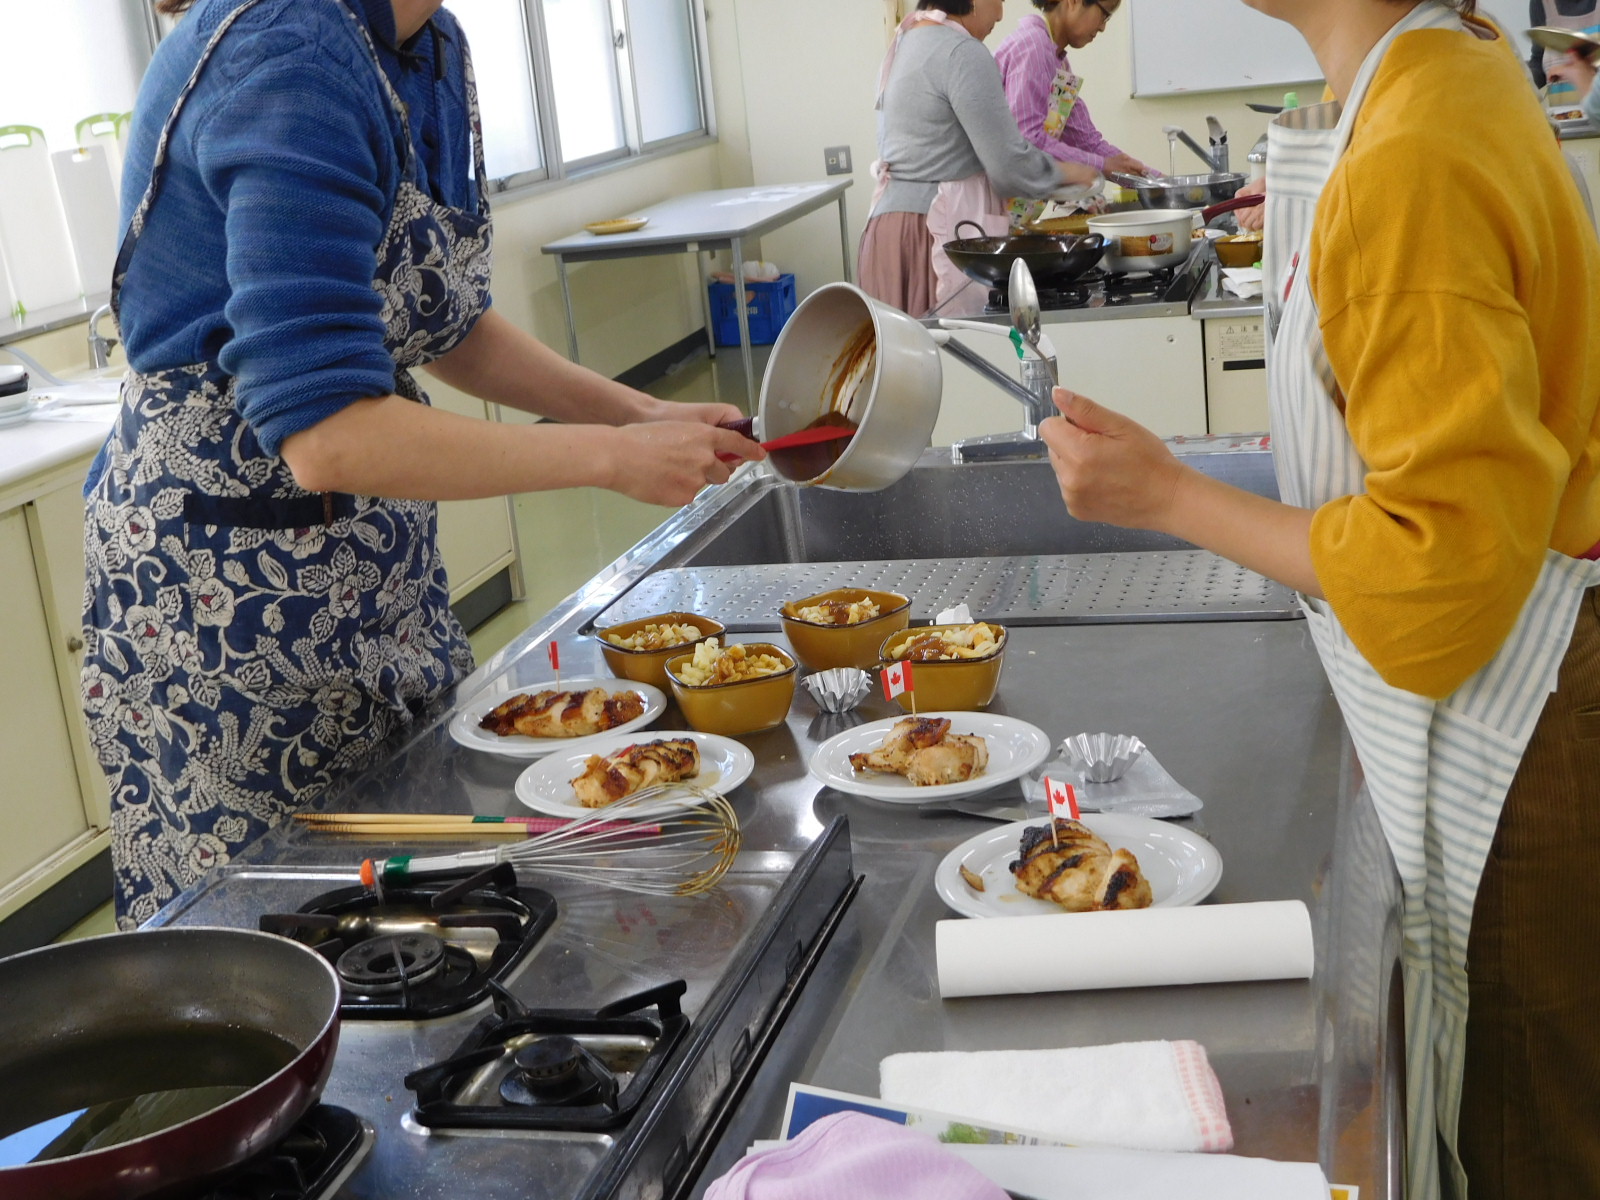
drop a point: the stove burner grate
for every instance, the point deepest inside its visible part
(562, 1069)
(429, 949)
(309, 1163)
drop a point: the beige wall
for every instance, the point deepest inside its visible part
(789, 80)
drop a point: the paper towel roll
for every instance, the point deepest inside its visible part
(1149, 947)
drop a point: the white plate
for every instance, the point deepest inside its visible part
(1015, 748)
(17, 414)
(547, 786)
(1182, 866)
(464, 725)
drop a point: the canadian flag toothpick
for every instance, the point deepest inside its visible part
(897, 679)
(1062, 798)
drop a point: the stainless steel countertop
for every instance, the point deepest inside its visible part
(1242, 715)
(1239, 712)
(1211, 301)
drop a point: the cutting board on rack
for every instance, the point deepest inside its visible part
(33, 224)
(89, 197)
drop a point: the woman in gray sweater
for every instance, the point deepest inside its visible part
(948, 150)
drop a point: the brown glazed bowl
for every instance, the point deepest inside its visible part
(949, 685)
(650, 666)
(819, 647)
(735, 709)
(1242, 250)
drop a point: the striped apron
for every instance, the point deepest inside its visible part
(1437, 771)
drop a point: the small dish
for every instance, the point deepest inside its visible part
(650, 666)
(956, 683)
(1015, 748)
(1182, 867)
(736, 709)
(617, 225)
(1241, 250)
(464, 725)
(546, 786)
(820, 647)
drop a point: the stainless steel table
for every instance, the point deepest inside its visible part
(698, 224)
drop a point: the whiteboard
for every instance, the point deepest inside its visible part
(1213, 45)
(1217, 45)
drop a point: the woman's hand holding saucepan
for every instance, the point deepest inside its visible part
(667, 462)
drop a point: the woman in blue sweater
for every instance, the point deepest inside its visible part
(304, 225)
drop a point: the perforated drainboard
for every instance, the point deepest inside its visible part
(1062, 589)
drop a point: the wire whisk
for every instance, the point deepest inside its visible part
(675, 839)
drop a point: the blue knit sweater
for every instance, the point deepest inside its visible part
(261, 247)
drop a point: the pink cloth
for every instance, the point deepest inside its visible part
(851, 1156)
(1028, 63)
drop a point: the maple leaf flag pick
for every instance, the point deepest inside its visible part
(555, 661)
(1063, 801)
(897, 679)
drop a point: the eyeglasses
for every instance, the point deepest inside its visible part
(1105, 13)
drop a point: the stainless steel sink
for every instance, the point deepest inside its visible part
(994, 535)
(942, 510)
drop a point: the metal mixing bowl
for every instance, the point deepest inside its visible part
(1181, 191)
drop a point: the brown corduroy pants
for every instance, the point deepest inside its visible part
(1530, 1106)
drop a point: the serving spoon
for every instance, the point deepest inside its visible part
(1025, 311)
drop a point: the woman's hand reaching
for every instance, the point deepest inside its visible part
(1575, 69)
(1109, 468)
(1254, 218)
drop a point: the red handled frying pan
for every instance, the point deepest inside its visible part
(144, 1064)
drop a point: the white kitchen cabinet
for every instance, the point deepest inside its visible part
(476, 537)
(50, 829)
(1236, 374)
(1150, 368)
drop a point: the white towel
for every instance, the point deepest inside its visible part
(1135, 1095)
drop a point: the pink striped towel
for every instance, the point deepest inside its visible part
(851, 1154)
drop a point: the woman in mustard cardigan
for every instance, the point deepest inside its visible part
(1435, 389)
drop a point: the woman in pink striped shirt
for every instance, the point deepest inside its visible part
(1043, 90)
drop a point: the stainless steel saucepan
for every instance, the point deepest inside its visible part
(846, 359)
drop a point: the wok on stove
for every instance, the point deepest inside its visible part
(1053, 259)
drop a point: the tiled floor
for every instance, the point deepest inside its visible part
(567, 536)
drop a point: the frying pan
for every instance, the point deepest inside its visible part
(109, 1040)
(1053, 259)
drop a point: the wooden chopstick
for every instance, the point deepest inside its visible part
(378, 818)
(420, 829)
(454, 825)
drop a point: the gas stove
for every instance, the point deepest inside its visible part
(1098, 288)
(1097, 293)
(511, 1037)
(429, 949)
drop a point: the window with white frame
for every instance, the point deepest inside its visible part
(71, 60)
(570, 84)
(564, 85)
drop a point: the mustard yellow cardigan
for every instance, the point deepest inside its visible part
(1457, 277)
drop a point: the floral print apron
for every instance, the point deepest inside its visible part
(1437, 771)
(1064, 91)
(250, 643)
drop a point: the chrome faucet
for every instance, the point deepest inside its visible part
(1217, 157)
(1034, 393)
(100, 346)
